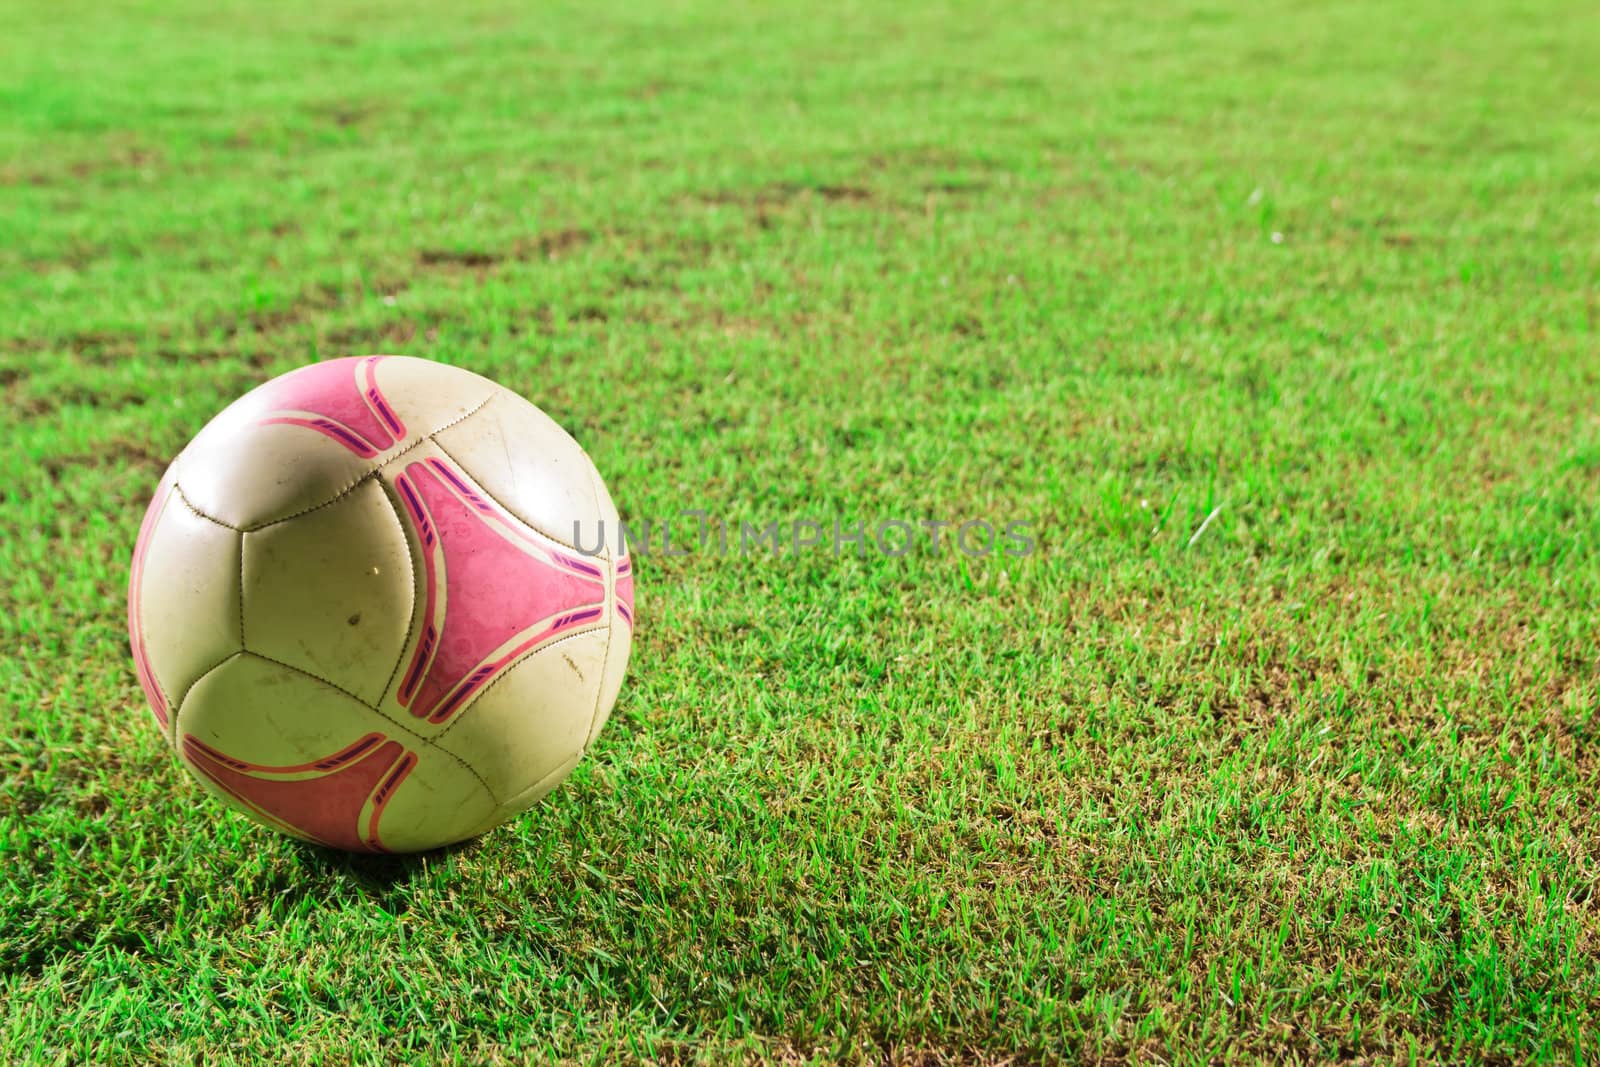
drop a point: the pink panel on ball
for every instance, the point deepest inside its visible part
(494, 591)
(339, 399)
(625, 589)
(322, 800)
(141, 655)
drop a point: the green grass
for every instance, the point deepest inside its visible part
(1319, 783)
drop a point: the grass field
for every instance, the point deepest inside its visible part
(1313, 779)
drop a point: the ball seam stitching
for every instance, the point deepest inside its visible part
(371, 472)
(177, 704)
(177, 709)
(376, 710)
(178, 489)
(506, 507)
(506, 671)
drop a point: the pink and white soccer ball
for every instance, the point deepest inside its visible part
(381, 604)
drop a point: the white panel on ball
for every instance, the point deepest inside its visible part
(189, 596)
(331, 591)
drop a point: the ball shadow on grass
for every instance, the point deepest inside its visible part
(374, 874)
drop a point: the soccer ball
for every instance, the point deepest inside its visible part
(381, 604)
